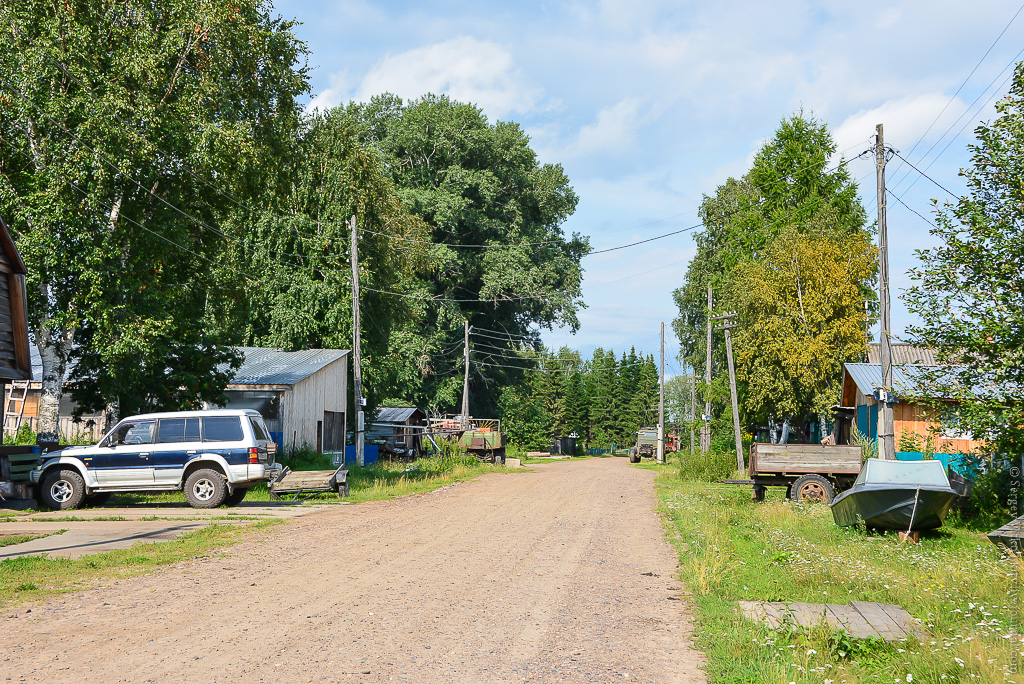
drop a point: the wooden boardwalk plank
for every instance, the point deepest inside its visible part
(860, 619)
(880, 621)
(852, 622)
(808, 614)
(903, 619)
(778, 612)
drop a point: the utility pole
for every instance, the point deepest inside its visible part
(661, 402)
(886, 430)
(693, 403)
(357, 369)
(705, 429)
(465, 384)
(729, 325)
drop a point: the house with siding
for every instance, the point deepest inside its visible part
(911, 419)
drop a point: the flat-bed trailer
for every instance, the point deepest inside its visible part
(299, 485)
(807, 471)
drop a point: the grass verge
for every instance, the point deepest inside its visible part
(30, 578)
(12, 539)
(964, 591)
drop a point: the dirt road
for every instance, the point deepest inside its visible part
(556, 575)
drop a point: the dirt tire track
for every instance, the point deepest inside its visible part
(531, 577)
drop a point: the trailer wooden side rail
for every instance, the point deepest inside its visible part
(807, 471)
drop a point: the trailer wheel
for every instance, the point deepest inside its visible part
(634, 456)
(813, 488)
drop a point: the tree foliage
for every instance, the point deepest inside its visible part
(801, 316)
(788, 192)
(127, 131)
(602, 400)
(476, 183)
(968, 289)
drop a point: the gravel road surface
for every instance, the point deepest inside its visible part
(559, 574)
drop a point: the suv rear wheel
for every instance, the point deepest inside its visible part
(62, 490)
(205, 488)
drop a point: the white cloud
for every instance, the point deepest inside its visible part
(889, 18)
(464, 68)
(337, 92)
(614, 131)
(905, 120)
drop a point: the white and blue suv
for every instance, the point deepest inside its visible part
(213, 456)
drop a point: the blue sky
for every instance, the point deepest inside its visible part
(650, 105)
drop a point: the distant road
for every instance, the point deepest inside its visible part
(560, 574)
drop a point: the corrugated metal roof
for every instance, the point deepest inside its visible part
(904, 353)
(395, 414)
(264, 366)
(906, 378)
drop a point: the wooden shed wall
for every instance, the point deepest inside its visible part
(304, 406)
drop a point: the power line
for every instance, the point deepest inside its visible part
(940, 185)
(953, 98)
(909, 208)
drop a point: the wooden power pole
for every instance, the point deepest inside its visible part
(465, 384)
(693, 403)
(661, 402)
(886, 429)
(727, 326)
(357, 369)
(705, 429)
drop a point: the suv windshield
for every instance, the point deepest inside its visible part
(138, 432)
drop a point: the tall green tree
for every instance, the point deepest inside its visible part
(801, 316)
(790, 187)
(968, 289)
(128, 131)
(479, 184)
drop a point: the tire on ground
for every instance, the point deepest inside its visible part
(97, 499)
(813, 488)
(236, 497)
(206, 488)
(62, 490)
(634, 455)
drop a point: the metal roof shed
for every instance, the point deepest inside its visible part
(301, 394)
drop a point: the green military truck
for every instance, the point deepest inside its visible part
(646, 445)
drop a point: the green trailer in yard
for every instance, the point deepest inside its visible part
(485, 440)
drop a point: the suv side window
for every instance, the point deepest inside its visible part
(140, 432)
(174, 430)
(222, 429)
(258, 430)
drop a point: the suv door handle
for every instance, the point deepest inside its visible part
(144, 453)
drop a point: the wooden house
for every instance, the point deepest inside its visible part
(912, 421)
(15, 362)
(301, 395)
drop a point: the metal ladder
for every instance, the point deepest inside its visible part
(14, 407)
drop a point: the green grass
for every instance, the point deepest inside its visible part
(12, 539)
(30, 578)
(955, 581)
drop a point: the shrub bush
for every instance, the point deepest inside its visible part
(716, 464)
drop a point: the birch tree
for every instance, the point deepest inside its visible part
(128, 130)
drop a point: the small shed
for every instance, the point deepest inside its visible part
(400, 428)
(911, 420)
(302, 395)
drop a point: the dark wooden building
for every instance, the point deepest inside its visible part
(15, 363)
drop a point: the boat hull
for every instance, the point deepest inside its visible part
(894, 508)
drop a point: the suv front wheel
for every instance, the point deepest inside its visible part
(205, 488)
(62, 490)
